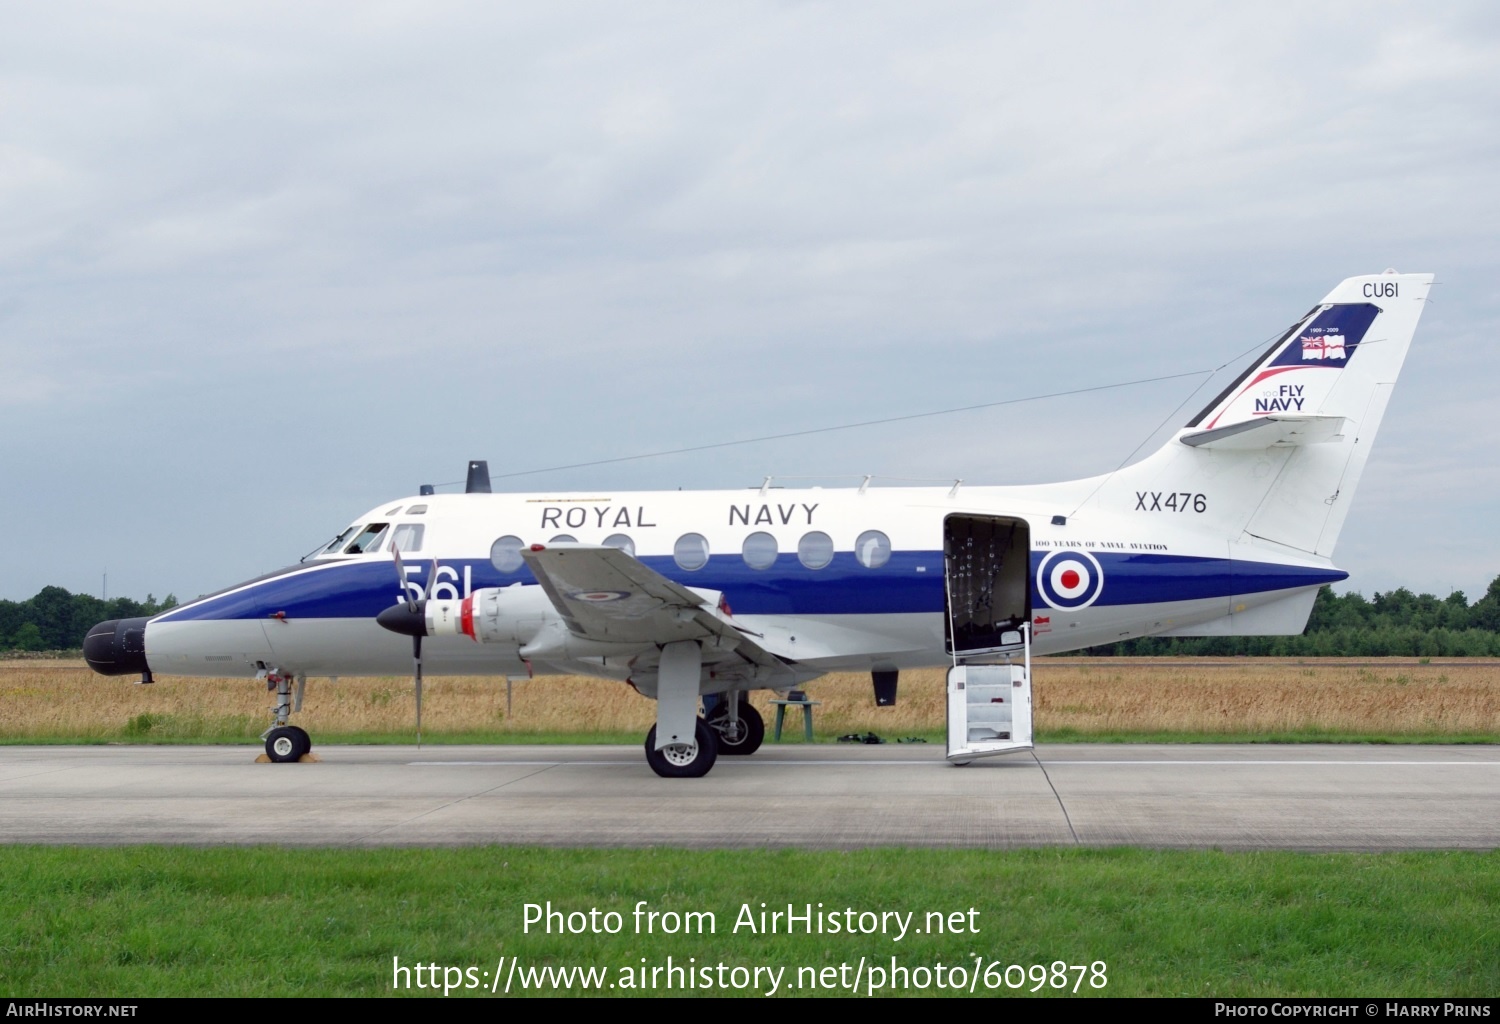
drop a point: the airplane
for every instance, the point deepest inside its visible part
(1228, 529)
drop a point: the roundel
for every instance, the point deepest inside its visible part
(599, 596)
(1069, 579)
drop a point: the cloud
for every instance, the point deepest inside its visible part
(340, 248)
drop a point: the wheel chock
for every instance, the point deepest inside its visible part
(308, 758)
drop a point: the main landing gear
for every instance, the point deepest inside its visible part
(285, 742)
(732, 726)
(684, 760)
(737, 725)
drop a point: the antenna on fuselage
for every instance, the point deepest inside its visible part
(479, 478)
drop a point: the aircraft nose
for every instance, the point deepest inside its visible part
(117, 647)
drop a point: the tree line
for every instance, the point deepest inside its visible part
(56, 620)
(1396, 622)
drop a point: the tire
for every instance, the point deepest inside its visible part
(287, 743)
(752, 729)
(684, 761)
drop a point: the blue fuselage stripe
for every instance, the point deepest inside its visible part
(911, 581)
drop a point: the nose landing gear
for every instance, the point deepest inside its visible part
(285, 742)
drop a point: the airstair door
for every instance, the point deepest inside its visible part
(989, 710)
(987, 576)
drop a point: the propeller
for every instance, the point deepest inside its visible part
(410, 619)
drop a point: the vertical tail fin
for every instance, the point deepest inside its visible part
(1284, 446)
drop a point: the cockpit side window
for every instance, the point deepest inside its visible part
(407, 538)
(368, 540)
(337, 544)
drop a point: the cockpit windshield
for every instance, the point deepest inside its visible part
(368, 540)
(338, 542)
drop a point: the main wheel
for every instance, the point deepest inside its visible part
(287, 743)
(683, 760)
(742, 737)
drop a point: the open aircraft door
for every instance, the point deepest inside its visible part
(987, 576)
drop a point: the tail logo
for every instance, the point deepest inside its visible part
(1332, 337)
(1326, 342)
(1070, 580)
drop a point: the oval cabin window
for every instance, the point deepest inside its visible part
(759, 550)
(815, 549)
(873, 549)
(505, 554)
(691, 551)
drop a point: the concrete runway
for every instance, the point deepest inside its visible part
(1230, 797)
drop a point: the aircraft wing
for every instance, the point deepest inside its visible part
(607, 595)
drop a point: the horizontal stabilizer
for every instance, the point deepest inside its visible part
(1283, 431)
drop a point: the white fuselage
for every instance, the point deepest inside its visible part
(877, 599)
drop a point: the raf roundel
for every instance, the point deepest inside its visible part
(599, 596)
(1069, 580)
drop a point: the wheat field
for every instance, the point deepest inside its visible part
(1084, 697)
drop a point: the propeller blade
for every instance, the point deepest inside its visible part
(411, 602)
(416, 653)
(431, 581)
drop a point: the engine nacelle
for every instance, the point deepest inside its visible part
(493, 615)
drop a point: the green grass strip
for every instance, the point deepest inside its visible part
(172, 921)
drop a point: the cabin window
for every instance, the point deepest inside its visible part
(368, 540)
(563, 538)
(691, 551)
(873, 549)
(408, 537)
(620, 542)
(337, 544)
(815, 549)
(505, 554)
(759, 550)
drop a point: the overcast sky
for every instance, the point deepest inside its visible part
(266, 265)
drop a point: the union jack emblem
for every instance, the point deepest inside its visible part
(1328, 346)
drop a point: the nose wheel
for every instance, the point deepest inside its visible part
(287, 743)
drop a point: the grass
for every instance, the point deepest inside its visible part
(154, 921)
(1095, 700)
